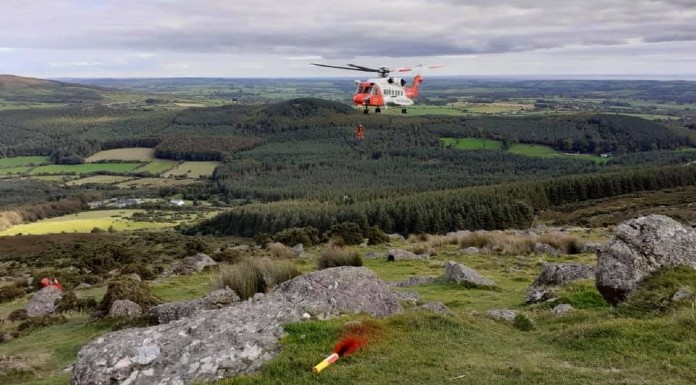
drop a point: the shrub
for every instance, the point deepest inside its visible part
(18, 315)
(375, 236)
(228, 256)
(263, 239)
(506, 243)
(253, 276)
(568, 243)
(334, 257)
(521, 322)
(280, 251)
(127, 288)
(40, 322)
(70, 302)
(10, 293)
(654, 295)
(197, 245)
(305, 235)
(350, 233)
(144, 271)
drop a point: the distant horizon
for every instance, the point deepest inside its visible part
(671, 77)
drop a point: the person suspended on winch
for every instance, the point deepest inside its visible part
(360, 132)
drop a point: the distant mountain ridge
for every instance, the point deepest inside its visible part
(19, 89)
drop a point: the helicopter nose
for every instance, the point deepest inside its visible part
(361, 99)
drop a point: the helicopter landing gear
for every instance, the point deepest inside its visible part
(378, 110)
(366, 111)
(403, 110)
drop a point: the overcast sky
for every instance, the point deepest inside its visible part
(274, 38)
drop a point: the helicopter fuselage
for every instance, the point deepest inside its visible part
(381, 92)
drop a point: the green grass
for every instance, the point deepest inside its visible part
(157, 167)
(472, 143)
(14, 170)
(23, 161)
(99, 179)
(84, 222)
(533, 150)
(85, 168)
(192, 170)
(124, 154)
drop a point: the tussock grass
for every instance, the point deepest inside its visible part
(280, 251)
(253, 276)
(507, 243)
(654, 295)
(334, 257)
(568, 243)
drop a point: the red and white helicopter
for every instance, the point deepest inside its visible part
(384, 91)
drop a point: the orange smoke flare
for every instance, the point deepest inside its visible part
(346, 346)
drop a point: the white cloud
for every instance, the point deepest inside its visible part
(268, 31)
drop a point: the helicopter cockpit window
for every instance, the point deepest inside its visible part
(367, 90)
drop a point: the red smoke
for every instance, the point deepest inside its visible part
(349, 345)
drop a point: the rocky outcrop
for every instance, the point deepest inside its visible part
(543, 248)
(562, 309)
(238, 339)
(502, 315)
(125, 308)
(416, 281)
(44, 302)
(456, 272)
(298, 250)
(435, 307)
(407, 296)
(173, 311)
(556, 274)
(639, 248)
(195, 264)
(403, 255)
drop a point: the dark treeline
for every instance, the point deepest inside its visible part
(495, 207)
(582, 133)
(203, 148)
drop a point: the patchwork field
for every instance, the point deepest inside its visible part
(14, 170)
(157, 167)
(472, 143)
(24, 161)
(99, 179)
(84, 222)
(155, 182)
(124, 154)
(85, 168)
(193, 170)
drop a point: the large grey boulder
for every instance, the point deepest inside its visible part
(125, 308)
(195, 264)
(416, 281)
(214, 344)
(435, 307)
(173, 311)
(43, 302)
(543, 248)
(556, 274)
(456, 272)
(403, 255)
(640, 247)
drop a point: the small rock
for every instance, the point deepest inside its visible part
(403, 255)
(456, 272)
(562, 309)
(407, 296)
(195, 264)
(396, 237)
(43, 302)
(556, 274)
(371, 255)
(471, 251)
(504, 315)
(83, 286)
(682, 294)
(435, 307)
(298, 249)
(543, 248)
(125, 308)
(416, 281)
(591, 247)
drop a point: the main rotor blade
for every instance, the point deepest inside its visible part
(365, 68)
(343, 68)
